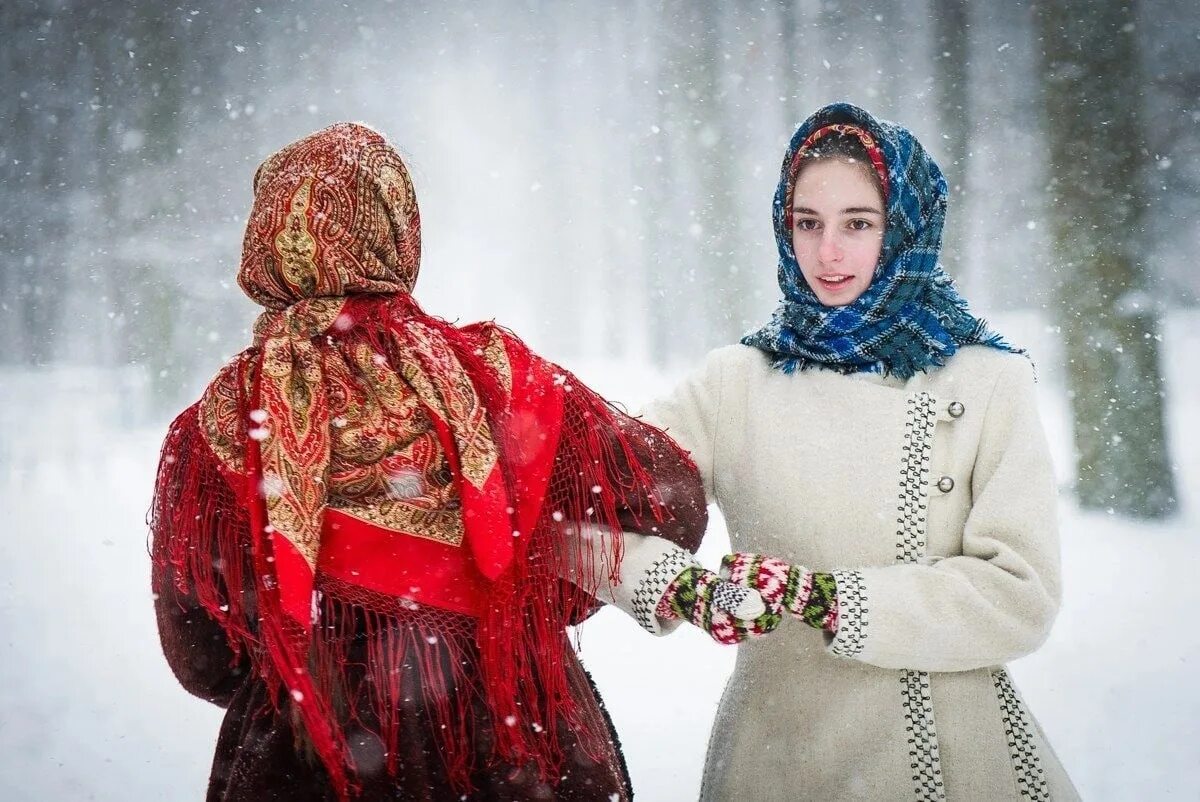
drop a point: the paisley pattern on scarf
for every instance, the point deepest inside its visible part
(221, 416)
(497, 358)
(334, 214)
(294, 440)
(386, 463)
(445, 386)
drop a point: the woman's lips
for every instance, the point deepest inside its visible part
(834, 281)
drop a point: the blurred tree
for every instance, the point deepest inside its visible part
(1173, 103)
(701, 166)
(545, 66)
(1108, 310)
(657, 169)
(37, 115)
(950, 23)
(137, 59)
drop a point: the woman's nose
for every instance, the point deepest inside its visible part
(830, 250)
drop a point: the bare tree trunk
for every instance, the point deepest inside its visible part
(152, 308)
(950, 60)
(666, 265)
(792, 42)
(566, 297)
(700, 140)
(38, 116)
(1092, 95)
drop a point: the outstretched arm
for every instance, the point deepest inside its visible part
(660, 583)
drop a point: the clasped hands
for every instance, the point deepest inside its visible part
(749, 597)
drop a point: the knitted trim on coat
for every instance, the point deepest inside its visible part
(852, 620)
(654, 584)
(1018, 732)
(922, 736)
(912, 522)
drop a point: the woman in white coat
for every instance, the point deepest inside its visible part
(877, 454)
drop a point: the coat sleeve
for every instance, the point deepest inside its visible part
(997, 600)
(653, 552)
(193, 642)
(195, 645)
(689, 416)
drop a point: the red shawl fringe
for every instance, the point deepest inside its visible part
(511, 662)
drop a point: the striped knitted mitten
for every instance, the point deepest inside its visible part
(811, 597)
(729, 613)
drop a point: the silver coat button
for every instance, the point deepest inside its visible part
(945, 484)
(956, 409)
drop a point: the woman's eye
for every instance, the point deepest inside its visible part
(806, 225)
(859, 224)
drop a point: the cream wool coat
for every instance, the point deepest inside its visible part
(933, 503)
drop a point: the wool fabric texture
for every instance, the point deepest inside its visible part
(932, 505)
(911, 318)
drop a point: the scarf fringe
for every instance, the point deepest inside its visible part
(596, 472)
(390, 657)
(201, 533)
(511, 664)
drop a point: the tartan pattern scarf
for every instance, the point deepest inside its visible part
(911, 318)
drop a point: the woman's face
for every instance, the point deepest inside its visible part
(837, 229)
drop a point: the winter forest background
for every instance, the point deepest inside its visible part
(598, 177)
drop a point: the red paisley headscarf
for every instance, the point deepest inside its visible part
(389, 468)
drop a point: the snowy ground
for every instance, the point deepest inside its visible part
(89, 710)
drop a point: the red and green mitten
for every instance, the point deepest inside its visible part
(728, 612)
(808, 595)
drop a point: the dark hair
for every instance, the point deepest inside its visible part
(841, 146)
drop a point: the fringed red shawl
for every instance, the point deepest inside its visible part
(388, 475)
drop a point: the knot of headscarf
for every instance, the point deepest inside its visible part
(302, 320)
(911, 318)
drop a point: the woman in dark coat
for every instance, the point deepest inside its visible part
(360, 529)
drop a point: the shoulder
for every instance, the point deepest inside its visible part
(501, 348)
(232, 381)
(723, 369)
(735, 363)
(738, 354)
(183, 426)
(989, 368)
(1000, 383)
(222, 409)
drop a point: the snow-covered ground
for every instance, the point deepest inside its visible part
(89, 709)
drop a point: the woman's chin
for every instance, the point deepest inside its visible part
(837, 299)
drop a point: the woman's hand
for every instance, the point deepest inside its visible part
(728, 612)
(811, 597)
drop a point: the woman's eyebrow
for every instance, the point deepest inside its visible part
(849, 210)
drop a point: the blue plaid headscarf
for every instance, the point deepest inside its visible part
(911, 318)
